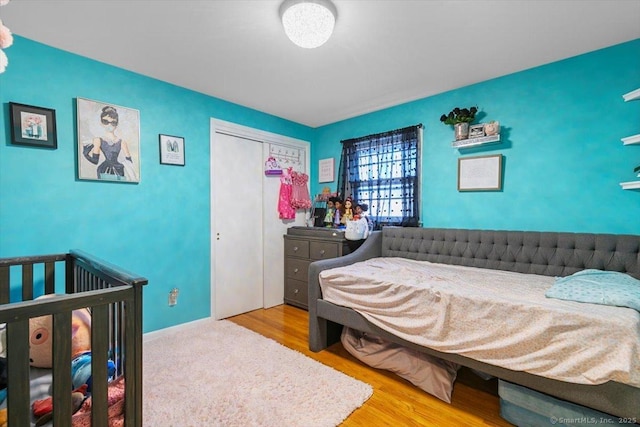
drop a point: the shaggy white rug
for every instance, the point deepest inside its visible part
(216, 373)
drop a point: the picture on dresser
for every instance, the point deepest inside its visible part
(108, 142)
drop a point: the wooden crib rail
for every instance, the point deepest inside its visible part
(114, 297)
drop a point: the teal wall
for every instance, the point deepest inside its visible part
(562, 125)
(158, 228)
(563, 158)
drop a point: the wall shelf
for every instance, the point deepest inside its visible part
(630, 185)
(630, 140)
(632, 96)
(474, 142)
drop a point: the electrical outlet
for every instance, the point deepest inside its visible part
(173, 297)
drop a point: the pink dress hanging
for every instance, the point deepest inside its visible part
(285, 208)
(300, 198)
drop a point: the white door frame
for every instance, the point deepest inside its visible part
(273, 229)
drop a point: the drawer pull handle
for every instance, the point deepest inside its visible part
(295, 291)
(295, 249)
(295, 270)
(322, 252)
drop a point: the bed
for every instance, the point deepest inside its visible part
(536, 255)
(73, 281)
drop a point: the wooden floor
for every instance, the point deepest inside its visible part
(395, 402)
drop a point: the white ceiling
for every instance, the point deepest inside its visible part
(382, 53)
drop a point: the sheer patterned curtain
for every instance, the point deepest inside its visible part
(382, 171)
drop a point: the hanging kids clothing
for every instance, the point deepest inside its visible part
(285, 207)
(300, 198)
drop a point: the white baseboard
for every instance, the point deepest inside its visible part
(160, 333)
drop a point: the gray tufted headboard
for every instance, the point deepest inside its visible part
(544, 253)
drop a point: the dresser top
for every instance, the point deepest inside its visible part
(322, 232)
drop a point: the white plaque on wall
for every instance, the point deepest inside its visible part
(482, 173)
(325, 168)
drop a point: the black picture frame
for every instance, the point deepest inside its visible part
(171, 150)
(33, 126)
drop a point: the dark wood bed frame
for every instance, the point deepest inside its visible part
(114, 297)
(544, 253)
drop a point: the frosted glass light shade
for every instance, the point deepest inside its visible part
(308, 23)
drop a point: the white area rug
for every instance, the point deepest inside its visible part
(216, 373)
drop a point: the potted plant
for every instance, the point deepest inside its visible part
(460, 118)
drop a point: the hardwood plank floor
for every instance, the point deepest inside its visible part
(395, 401)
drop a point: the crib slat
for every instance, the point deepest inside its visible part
(18, 390)
(62, 368)
(4, 285)
(99, 350)
(49, 277)
(27, 282)
(133, 405)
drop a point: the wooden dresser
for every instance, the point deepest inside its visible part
(302, 246)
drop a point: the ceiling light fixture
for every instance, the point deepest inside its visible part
(308, 23)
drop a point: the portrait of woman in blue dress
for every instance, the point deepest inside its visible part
(107, 148)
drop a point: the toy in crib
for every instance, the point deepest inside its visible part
(41, 356)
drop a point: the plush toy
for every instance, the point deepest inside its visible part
(41, 337)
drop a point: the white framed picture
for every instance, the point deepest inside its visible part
(171, 150)
(326, 170)
(481, 173)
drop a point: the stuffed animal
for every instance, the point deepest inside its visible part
(41, 337)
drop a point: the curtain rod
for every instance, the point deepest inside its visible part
(418, 126)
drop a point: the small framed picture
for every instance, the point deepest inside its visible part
(171, 150)
(326, 169)
(481, 173)
(476, 131)
(33, 126)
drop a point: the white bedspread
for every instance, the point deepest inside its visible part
(498, 317)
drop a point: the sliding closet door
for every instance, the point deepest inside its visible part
(237, 227)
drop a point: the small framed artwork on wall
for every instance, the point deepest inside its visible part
(33, 126)
(481, 173)
(326, 170)
(171, 150)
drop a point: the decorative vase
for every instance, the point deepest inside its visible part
(461, 131)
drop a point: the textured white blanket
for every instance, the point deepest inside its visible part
(498, 317)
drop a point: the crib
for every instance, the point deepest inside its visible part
(77, 280)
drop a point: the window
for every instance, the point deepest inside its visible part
(382, 171)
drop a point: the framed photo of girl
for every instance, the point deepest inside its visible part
(108, 142)
(33, 126)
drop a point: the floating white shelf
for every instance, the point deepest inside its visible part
(630, 185)
(473, 142)
(634, 139)
(632, 96)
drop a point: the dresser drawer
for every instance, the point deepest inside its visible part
(298, 268)
(323, 250)
(297, 248)
(296, 292)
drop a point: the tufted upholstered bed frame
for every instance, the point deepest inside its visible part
(543, 253)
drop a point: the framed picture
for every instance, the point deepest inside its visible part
(33, 126)
(326, 169)
(108, 142)
(171, 150)
(482, 173)
(476, 131)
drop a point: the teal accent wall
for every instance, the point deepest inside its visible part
(158, 228)
(563, 158)
(561, 130)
